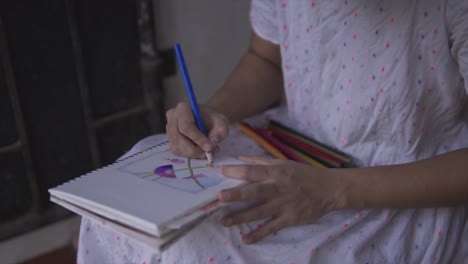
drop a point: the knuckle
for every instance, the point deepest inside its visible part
(184, 126)
(283, 171)
(270, 171)
(223, 131)
(220, 118)
(286, 175)
(180, 105)
(183, 106)
(244, 171)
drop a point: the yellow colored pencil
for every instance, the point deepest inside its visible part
(248, 131)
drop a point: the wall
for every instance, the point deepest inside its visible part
(213, 34)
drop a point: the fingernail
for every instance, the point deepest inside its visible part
(214, 140)
(206, 147)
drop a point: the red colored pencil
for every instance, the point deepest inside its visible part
(311, 142)
(304, 146)
(280, 146)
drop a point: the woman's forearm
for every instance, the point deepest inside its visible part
(254, 85)
(438, 181)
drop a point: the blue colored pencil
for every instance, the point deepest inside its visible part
(191, 95)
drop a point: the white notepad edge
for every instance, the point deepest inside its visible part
(109, 212)
(148, 240)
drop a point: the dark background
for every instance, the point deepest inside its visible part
(80, 83)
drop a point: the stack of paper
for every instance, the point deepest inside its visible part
(153, 196)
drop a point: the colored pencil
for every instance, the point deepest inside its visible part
(309, 160)
(306, 153)
(289, 151)
(248, 131)
(302, 145)
(313, 143)
(191, 95)
(280, 146)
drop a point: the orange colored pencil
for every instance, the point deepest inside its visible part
(250, 132)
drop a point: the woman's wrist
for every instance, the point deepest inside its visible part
(333, 185)
(347, 193)
(438, 181)
(341, 189)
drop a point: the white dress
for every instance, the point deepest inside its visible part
(383, 81)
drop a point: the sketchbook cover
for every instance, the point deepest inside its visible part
(149, 190)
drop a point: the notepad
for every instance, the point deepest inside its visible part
(154, 195)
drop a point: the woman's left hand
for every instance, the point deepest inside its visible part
(292, 194)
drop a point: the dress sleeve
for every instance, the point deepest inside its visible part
(457, 24)
(264, 19)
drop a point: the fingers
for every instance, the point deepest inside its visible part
(253, 214)
(182, 132)
(269, 228)
(182, 146)
(219, 129)
(251, 173)
(260, 160)
(179, 144)
(188, 128)
(258, 213)
(249, 192)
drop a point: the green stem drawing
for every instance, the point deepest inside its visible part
(189, 161)
(201, 167)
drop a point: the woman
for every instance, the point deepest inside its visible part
(383, 81)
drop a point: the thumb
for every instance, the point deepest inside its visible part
(219, 129)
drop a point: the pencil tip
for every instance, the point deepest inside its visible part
(209, 156)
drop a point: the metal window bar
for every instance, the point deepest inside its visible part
(152, 71)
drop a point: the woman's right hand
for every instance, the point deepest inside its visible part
(185, 139)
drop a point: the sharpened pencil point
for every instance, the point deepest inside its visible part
(209, 156)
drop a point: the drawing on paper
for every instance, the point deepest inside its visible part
(185, 174)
